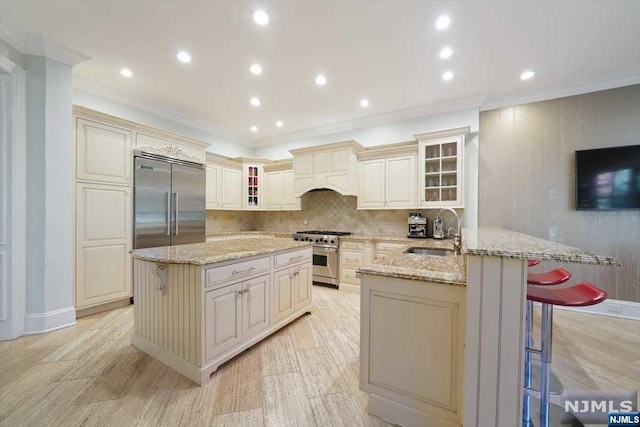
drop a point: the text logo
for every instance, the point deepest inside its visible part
(624, 419)
(594, 407)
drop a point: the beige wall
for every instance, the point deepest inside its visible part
(526, 179)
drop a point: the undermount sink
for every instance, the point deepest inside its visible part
(428, 251)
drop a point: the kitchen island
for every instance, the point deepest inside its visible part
(442, 337)
(199, 305)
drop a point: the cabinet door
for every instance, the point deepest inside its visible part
(103, 242)
(273, 190)
(255, 312)
(223, 320)
(303, 279)
(371, 184)
(400, 177)
(283, 294)
(253, 187)
(103, 152)
(290, 202)
(214, 186)
(231, 189)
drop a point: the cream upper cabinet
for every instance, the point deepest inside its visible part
(231, 189)
(441, 168)
(214, 186)
(103, 241)
(252, 187)
(387, 182)
(332, 166)
(103, 152)
(279, 191)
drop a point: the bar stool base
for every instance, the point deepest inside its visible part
(557, 416)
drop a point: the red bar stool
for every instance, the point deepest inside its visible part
(580, 295)
(549, 278)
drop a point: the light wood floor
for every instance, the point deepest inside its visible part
(305, 375)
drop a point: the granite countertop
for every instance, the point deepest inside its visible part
(449, 269)
(213, 252)
(366, 237)
(498, 242)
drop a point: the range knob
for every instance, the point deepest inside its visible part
(332, 242)
(295, 238)
(317, 240)
(326, 241)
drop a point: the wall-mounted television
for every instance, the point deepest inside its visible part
(608, 178)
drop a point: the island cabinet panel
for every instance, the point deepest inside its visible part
(223, 319)
(167, 318)
(412, 343)
(193, 318)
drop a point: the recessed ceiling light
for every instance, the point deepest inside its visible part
(184, 57)
(321, 80)
(254, 129)
(446, 52)
(443, 22)
(527, 75)
(255, 69)
(126, 72)
(448, 75)
(260, 17)
(279, 124)
(364, 103)
(255, 102)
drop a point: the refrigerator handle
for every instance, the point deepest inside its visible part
(176, 212)
(168, 214)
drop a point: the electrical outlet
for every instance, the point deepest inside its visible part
(305, 222)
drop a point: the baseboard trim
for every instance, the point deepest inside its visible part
(81, 312)
(610, 307)
(40, 323)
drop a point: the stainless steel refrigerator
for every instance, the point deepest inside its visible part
(169, 201)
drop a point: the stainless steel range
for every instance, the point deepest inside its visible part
(326, 256)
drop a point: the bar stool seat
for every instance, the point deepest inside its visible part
(553, 277)
(580, 295)
(533, 262)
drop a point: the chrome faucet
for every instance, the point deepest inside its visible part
(457, 239)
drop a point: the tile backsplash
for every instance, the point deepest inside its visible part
(323, 210)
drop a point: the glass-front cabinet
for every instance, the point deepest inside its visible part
(441, 172)
(252, 187)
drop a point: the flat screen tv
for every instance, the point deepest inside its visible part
(608, 178)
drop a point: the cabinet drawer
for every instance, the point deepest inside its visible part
(348, 275)
(351, 258)
(238, 270)
(389, 246)
(293, 257)
(351, 244)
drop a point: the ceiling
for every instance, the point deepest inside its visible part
(385, 51)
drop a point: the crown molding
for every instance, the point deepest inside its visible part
(376, 119)
(606, 84)
(38, 45)
(93, 88)
(353, 145)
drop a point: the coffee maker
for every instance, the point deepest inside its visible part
(417, 225)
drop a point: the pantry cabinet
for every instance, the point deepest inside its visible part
(103, 152)
(387, 180)
(441, 168)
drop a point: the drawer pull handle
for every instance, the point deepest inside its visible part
(291, 259)
(244, 271)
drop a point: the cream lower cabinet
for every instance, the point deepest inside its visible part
(235, 312)
(103, 242)
(412, 350)
(291, 290)
(352, 256)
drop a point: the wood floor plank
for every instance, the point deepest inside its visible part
(325, 320)
(240, 383)
(16, 361)
(89, 415)
(340, 410)
(343, 348)
(99, 361)
(47, 405)
(250, 418)
(305, 334)
(321, 374)
(278, 355)
(286, 402)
